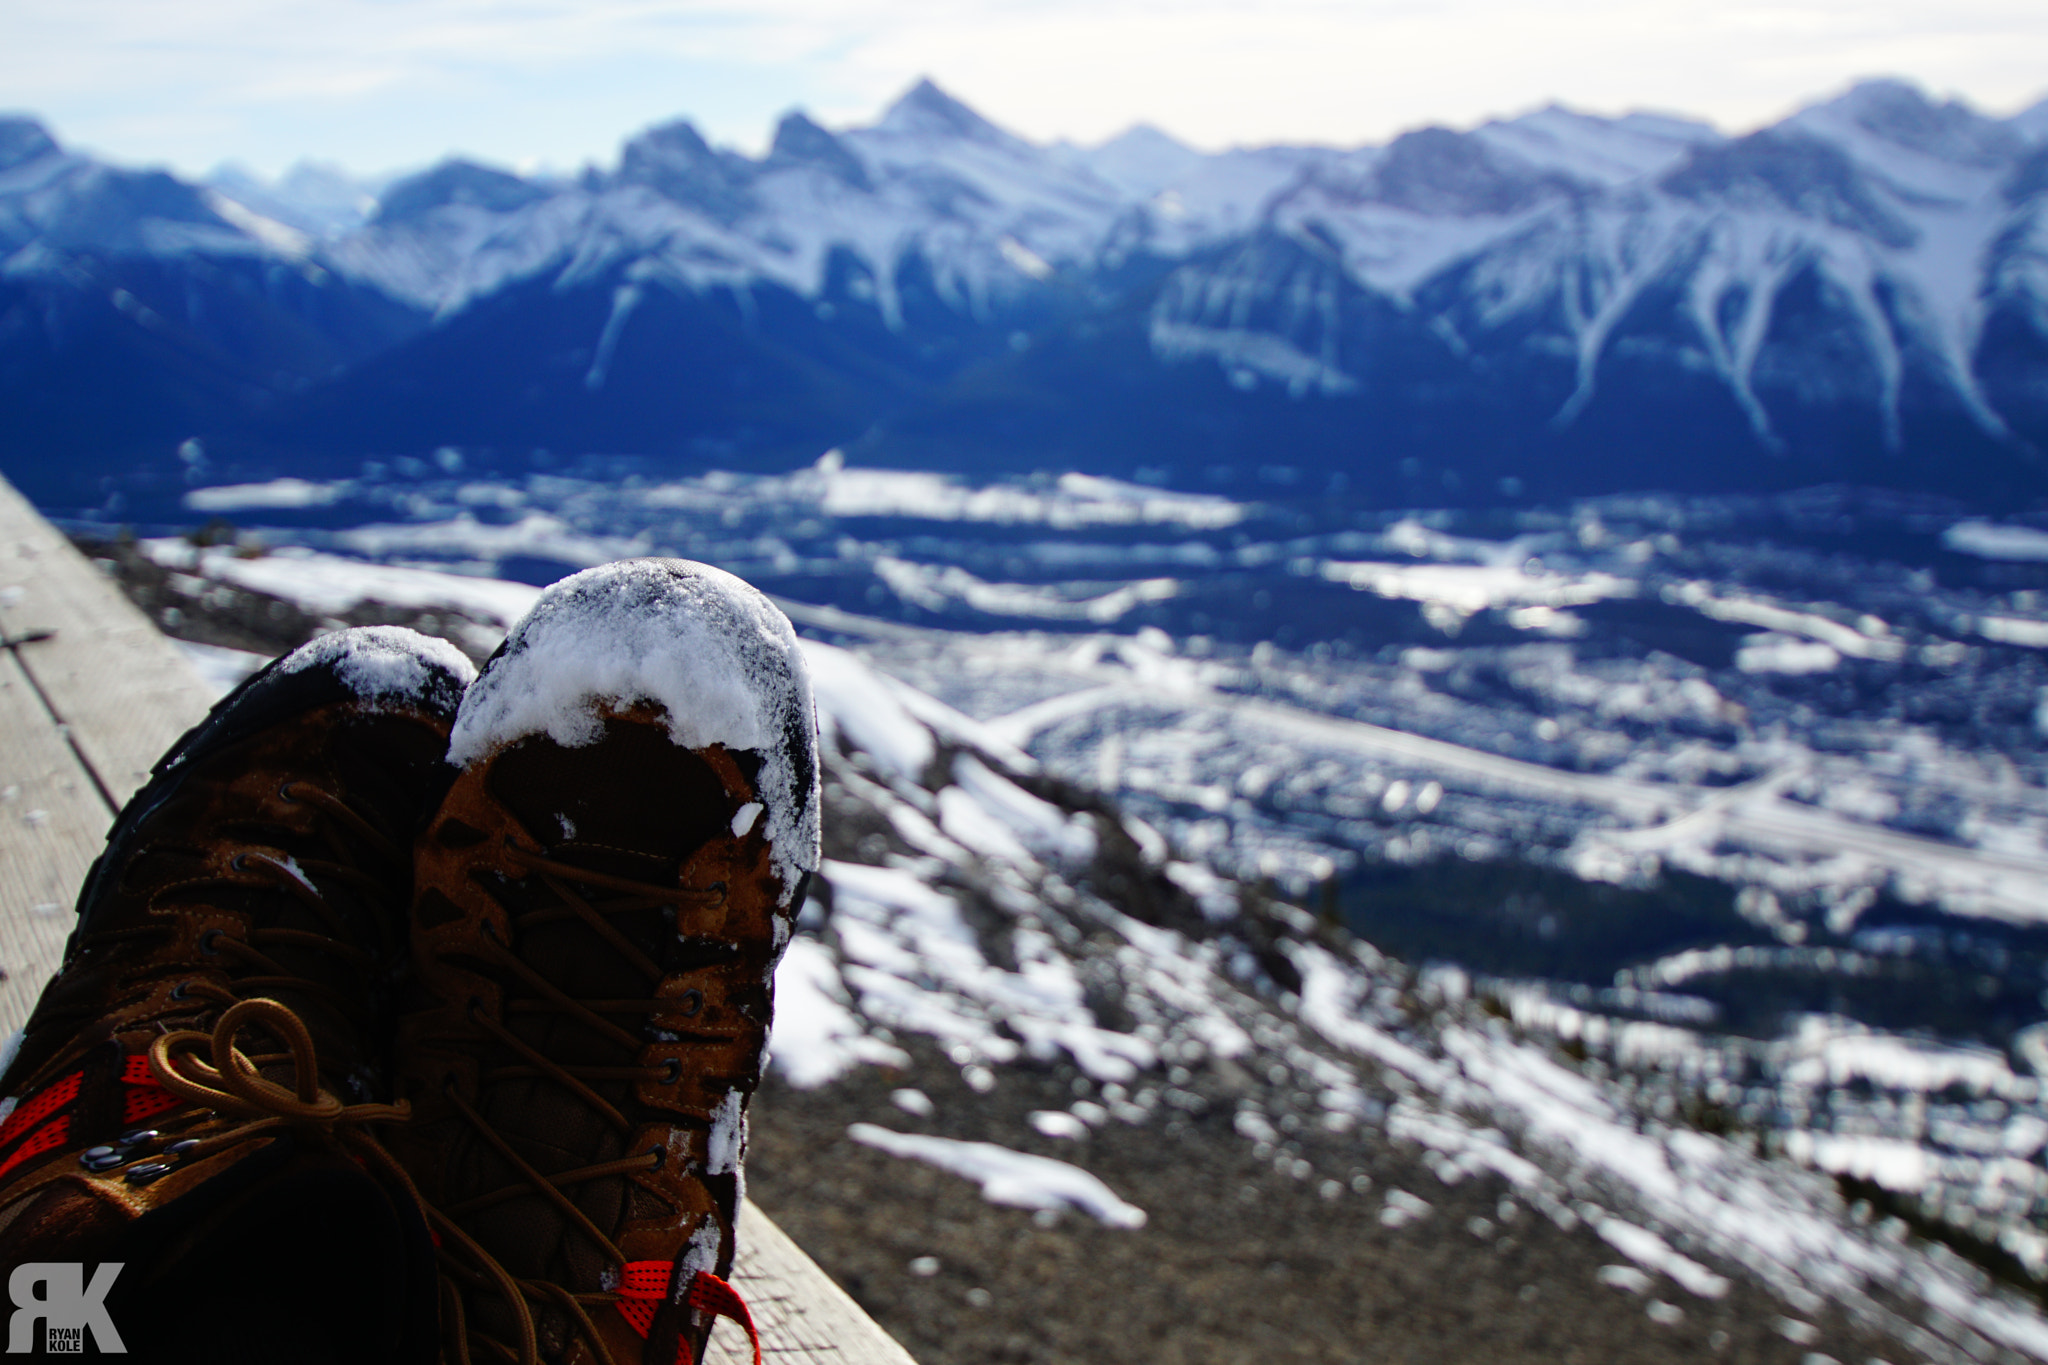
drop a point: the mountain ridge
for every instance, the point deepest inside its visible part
(1860, 286)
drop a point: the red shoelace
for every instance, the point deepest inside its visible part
(644, 1284)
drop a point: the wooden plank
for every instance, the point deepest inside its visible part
(125, 693)
(52, 825)
(801, 1314)
(125, 690)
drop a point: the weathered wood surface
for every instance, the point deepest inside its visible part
(84, 713)
(52, 823)
(803, 1316)
(108, 672)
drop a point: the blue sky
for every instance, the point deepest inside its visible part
(387, 84)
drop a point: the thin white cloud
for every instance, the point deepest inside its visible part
(554, 78)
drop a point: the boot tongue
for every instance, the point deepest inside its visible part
(631, 804)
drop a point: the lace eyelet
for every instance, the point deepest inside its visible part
(660, 1154)
(179, 991)
(284, 792)
(206, 943)
(240, 862)
(690, 1002)
(675, 1071)
(135, 1137)
(148, 1171)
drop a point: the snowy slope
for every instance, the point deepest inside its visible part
(1562, 234)
(1595, 150)
(54, 204)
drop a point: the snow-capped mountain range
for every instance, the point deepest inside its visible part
(1556, 303)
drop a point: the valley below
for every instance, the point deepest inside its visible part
(1596, 931)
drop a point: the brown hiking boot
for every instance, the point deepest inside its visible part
(599, 906)
(189, 1093)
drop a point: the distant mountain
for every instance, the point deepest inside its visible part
(1546, 305)
(138, 311)
(321, 200)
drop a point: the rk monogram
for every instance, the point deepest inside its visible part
(66, 1307)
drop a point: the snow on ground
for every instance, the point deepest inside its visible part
(329, 585)
(221, 669)
(277, 493)
(1575, 1135)
(1006, 1177)
(865, 706)
(1071, 501)
(915, 964)
(936, 588)
(1990, 540)
(817, 1037)
(1455, 592)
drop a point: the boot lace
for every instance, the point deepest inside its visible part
(230, 1084)
(182, 1107)
(641, 1286)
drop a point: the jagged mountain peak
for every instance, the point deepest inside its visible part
(22, 140)
(1443, 173)
(1792, 172)
(678, 138)
(455, 181)
(675, 161)
(801, 142)
(1591, 148)
(1902, 114)
(1653, 124)
(1560, 116)
(1145, 139)
(933, 239)
(928, 110)
(1141, 160)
